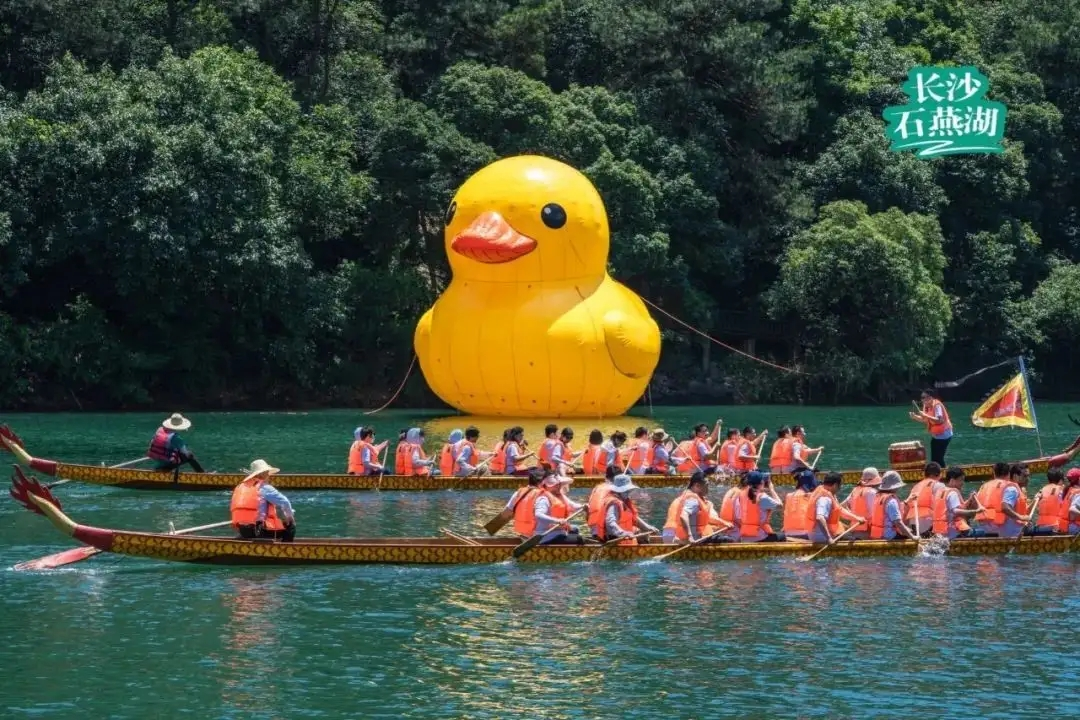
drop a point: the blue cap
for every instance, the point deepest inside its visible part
(806, 479)
(755, 477)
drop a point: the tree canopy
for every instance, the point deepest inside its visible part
(239, 204)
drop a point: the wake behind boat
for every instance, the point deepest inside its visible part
(908, 464)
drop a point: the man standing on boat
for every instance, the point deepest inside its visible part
(168, 449)
(936, 418)
(256, 505)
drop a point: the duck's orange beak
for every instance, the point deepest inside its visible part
(490, 239)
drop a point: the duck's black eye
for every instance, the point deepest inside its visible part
(450, 212)
(553, 216)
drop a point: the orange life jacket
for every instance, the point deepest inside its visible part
(860, 504)
(751, 524)
(727, 505)
(628, 516)
(403, 450)
(795, 513)
(459, 449)
(518, 464)
(803, 454)
(596, 505)
(547, 449)
(878, 519)
(692, 460)
(498, 460)
(921, 497)
(674, 516)
(728, 452)
(447, 457)
(591, 458)
(1063, 509)
(524, 518)
(356, 463)
(1049, 506)
(991, 494)
(406, 467)
(749, 462)
(641, 456)
(941, 513)
(658, 463)
(558, 510)
(159, 447)
(833, 521)
(781, 455)
(935, 427)
(244, 507)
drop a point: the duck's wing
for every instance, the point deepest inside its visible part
(633, 342)
(422, 335)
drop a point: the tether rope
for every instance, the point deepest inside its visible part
(690, 327)
(398, 391)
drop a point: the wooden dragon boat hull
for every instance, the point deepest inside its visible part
(136, 479)
(451, 551)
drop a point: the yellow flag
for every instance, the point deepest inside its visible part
(1009, 406)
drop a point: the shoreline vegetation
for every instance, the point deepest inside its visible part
(234, 205)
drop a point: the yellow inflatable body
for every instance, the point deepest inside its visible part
(531, 324)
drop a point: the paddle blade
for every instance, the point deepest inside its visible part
(65, 557)
(23, 487)
(7, 434)
(527, 545)
(498, 522)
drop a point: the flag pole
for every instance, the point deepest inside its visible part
(1031, 399)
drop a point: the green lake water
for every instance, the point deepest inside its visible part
(126, 638)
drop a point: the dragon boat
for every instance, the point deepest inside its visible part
(907, 458)
(457, 549)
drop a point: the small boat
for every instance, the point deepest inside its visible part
(906, 458)
(455, 549)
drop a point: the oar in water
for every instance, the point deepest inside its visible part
(74, 555)
(838, 538)
(461, 538)
(1034, 509)
(688, 545)
(615, 541)
(535, 539)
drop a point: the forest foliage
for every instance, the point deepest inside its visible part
(239, 203)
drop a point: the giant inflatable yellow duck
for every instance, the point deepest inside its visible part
(531, 324)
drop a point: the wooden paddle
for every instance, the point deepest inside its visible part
(615, 541)
(58, 483)
(498, 522)
(74, 555)
(700, 540)
(818, 457)
(1034, 518)
(535, 539)
(838, 538)
(461, 538)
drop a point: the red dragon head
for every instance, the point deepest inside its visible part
(7, 434)
(23, 487)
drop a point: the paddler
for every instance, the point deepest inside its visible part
(796, 523)
(729, 450)
(611, 455)
(780, 457)
(401, 450)
(800, 451)
(258, 510)
(498, 455)
(551, 507)
(562, 455)
(364, 454)
(1051, 498)
(1005, 505)
(886, 518)
(547, 447)
(1070, 506)
(642, 454)
(515, 452)
(618, 517)
(861, 501)
(591, 460)
(520, 503)
(824, 510)
(691, 517)
(695, 453)
(596, 498)
(468, 459)
(414, 461)
(662, 463)
(168, 450)
(919, 511)
(754, 507)
(951, 511)
(746, 458)
(448, 453)
(936, 419)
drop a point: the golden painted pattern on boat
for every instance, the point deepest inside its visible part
(441, 551)
(158, 480)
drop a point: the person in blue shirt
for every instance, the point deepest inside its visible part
(168, 450)
(259, 510)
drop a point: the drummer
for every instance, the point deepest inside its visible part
(256, 505)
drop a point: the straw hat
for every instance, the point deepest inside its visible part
(623, 483)
(659, 432)
(871, 477)
(176, 421)
(260, 467)
(891, 481)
